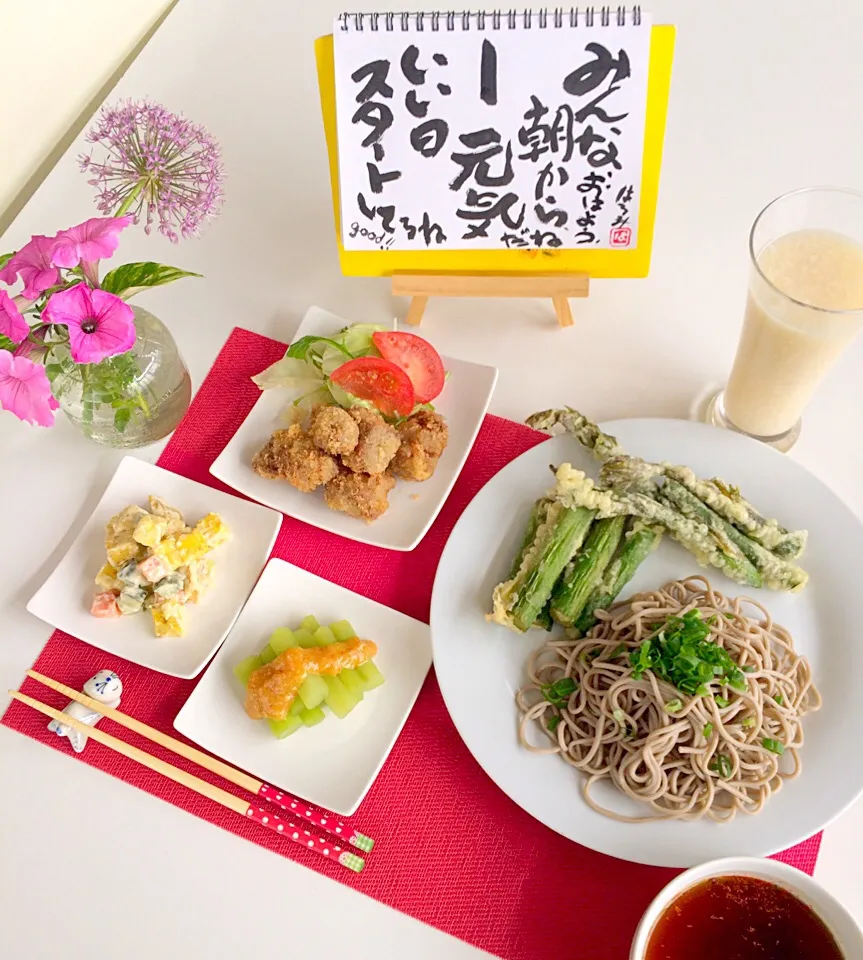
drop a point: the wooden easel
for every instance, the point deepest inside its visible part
(421, 286)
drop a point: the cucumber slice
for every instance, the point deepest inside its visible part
(297, 707)
(311, 718)
(371, 676)
(268, 654)
(313, 691)
(245, 668)
(309, 623)
(304, 638)
(284, 728)
(281, 639)
(323, 636)
(353, 681)
(342, 630)
(338, 699)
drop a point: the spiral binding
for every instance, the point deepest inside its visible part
(496, 20)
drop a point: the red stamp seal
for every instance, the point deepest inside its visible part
(620, 236)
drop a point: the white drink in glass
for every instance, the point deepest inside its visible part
(804, 307)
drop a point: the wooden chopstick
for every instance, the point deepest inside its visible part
(295, 833)
(293, 806)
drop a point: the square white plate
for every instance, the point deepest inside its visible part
(333, 764)
(463, 404)
(64, 599)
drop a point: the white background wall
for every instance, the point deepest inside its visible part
(59, 56)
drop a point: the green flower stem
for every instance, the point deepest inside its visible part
(133, 195)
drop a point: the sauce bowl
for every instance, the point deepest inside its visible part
(835, 917)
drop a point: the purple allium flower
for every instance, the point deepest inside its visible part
(157, 165)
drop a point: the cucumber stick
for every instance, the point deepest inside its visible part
(284, 728)
(313, 691)
(342, 630)
(323, 636)
(282, 639)
(354, 682)
(371, 676)
(338, 698)
(244, 669)
(311, 718)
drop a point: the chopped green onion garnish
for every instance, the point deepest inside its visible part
(722, 703)
(774, 746)
(748, 722)
(620, 717)
(618, 650)
(721, 765)
(552, 723)
(559, 692)
(682, 653)
(674, 706)
(748, 669)
(778, 698)
(707, 732)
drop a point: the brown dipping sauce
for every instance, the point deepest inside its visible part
(740, 918)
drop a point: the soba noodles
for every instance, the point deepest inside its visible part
(685, 756)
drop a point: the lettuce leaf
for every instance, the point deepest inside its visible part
(357, 338)
(290, 372)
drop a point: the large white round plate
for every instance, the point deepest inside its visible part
(480, 665)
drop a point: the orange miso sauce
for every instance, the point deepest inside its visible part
(740, 918)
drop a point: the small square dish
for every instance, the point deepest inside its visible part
(65, 597)
(334, 763)
(413, 506)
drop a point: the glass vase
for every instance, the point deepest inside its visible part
(130, 400)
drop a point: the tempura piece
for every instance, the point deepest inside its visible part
(333, 429)
(291, 455)
(377, 445)
(360, 495)
(424, 437)
(273, 687)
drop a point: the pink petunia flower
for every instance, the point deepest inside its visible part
(12, 324)
(100, 324)
(33, 346)
(25, 390)
(32, 263)
(94, 239)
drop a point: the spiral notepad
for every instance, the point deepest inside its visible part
(491, 131)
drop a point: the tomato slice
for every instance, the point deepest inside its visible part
(417, 357)
(378, 380)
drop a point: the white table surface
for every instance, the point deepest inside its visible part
(765, 98)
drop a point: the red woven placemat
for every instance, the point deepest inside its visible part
(452, 850)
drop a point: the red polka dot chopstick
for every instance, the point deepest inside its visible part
(271, 821)
(342, 834)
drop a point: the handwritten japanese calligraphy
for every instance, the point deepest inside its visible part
(465, 132)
